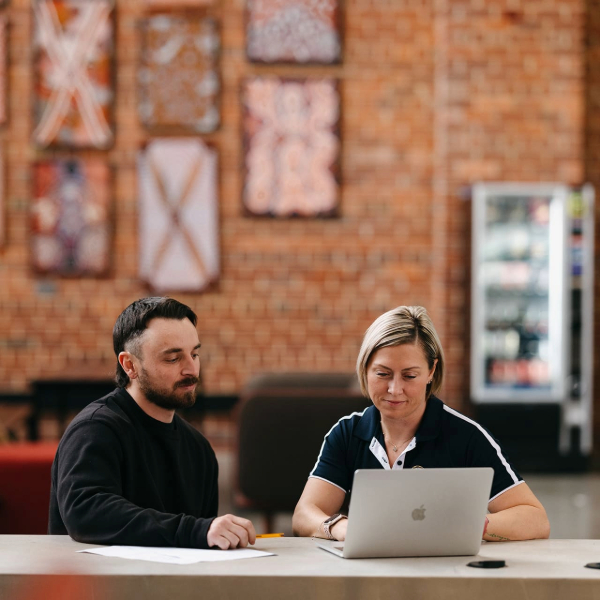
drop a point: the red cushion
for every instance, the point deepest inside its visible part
(25, 486)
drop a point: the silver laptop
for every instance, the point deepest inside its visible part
(417, 512)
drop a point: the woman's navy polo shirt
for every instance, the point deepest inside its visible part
(444, 439)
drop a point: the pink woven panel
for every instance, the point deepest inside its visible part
(71, 217)
(73, 91)
(292, 146)
(2, 208)
(167, 4)
(298, 31)
(3, 66)
(178, 208)
(179, 81)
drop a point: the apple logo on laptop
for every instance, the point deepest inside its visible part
(418, 514)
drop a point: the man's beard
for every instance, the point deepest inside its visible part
(164, 397)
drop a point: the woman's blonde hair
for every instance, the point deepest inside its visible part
(402, 325)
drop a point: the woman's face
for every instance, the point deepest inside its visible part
(397, 379)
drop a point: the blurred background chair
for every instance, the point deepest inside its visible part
(25, 486)
(282, 420)
(61, 397)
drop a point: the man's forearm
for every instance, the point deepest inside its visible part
(106, 518)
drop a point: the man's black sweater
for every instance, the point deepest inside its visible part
(122, 477)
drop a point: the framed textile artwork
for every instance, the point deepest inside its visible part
(293, 31)
(176, 4)
(292, 147)
(178, 79)
(178, 208)
(3, 67)
(2, 209)
(70, 217)
(73, 68)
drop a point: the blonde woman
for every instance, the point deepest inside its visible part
(400, 368)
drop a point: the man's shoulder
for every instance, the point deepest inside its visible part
(105, 410)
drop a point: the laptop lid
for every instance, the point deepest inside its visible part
(417, 512)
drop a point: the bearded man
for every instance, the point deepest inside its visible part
(128, 470)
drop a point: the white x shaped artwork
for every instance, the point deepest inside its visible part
(74, 111)
(179, 241)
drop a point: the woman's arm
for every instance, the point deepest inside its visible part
(320, 499)
(516, 515)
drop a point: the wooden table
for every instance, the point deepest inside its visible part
(30, 568)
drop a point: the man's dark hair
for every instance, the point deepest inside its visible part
(133, 321)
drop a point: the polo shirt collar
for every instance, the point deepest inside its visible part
(369, 425)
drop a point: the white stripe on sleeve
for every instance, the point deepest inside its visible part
(327, 435)
(331, 482)
(510, 487)
(489, 438)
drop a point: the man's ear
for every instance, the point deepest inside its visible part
(126, 361)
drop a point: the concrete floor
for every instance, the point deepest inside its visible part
(570, 501)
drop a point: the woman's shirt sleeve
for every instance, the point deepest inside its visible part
(332, 463)
(485, 451)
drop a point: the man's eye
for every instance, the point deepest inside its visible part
(172, 360)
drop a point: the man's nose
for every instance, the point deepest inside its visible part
(191, 366)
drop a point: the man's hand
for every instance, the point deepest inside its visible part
(230, 531)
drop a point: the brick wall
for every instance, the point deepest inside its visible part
(435, 94)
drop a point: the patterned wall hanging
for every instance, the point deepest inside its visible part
(292, 146)
(175, 4)
(3, 66)
(297, 31)
(179, 82)
(2, 209)
(71, 217)
(73, 49)
(178, 207)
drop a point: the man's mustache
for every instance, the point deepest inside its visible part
(188, 381)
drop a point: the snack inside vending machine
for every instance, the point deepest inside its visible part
(532, 320)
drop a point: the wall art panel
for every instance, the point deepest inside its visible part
(296, 31)
(70, 217)
(3, 224)
(178, 208)
(73, 68)
(176, 4)
(292, 147)
(3, 67)
(178, 78)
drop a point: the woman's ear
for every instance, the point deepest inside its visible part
(431, 373)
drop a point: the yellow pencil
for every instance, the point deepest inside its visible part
(267, 535)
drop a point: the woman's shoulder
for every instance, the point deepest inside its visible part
(459, 422)
(349, 423)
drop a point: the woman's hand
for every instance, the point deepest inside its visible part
(338, 531)
(320, 499)
(516, 515)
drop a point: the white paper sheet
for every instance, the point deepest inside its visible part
(177, 556)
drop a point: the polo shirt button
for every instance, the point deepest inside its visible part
(399, 462)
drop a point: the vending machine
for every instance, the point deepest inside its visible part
(532, 302)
